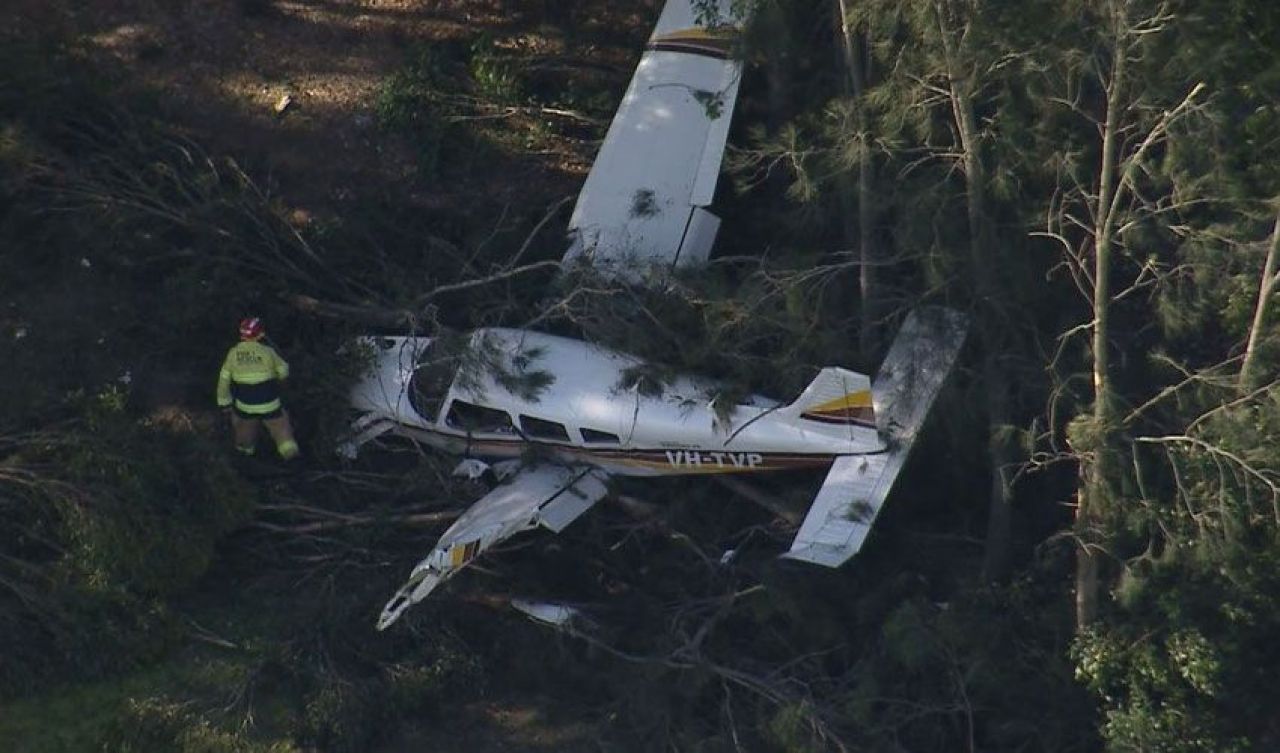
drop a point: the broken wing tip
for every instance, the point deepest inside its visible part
(392, 611)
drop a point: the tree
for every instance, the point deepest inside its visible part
(1100, 205)
(857, 66)
(1262, 311)
(952, 67)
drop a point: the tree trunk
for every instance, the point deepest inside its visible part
(777, 66)
(868, 254)
(996, 384)
(1261, 311)
(1095, 496)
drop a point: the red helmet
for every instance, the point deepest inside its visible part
(252, 329)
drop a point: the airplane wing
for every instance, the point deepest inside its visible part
(551, 496)
(903, 391)
(642, 207)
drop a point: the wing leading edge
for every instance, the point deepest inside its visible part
(551, 496)
(642, 207)
(855, 489)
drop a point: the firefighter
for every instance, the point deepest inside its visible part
(249, 389)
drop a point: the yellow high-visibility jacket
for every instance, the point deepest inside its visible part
(250, 378)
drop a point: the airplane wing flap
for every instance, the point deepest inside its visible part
(513, 505)
(574, 500)
(548, 495)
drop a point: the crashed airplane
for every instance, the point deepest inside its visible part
(559, 417)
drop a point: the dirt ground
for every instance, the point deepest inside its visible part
(225, 68)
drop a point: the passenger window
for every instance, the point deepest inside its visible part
(542, 429)
(479, 419)
(599, 437)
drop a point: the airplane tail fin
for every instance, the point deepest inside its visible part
(836, 397)
(910, 378)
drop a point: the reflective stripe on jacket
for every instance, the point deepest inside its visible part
(250, 378)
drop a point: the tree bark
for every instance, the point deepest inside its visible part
(1096, 478)
(1262, 311)
(776, 51)
(868, 253)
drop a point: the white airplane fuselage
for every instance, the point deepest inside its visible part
(577, 407)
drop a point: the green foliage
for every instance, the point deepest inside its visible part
(488, 357)
(712, 102)
(432, 99)
(341, 717)
(411, 101)
(154, 724)
(493, 75)
(1167, 685)
(789, 729)
(754, 332)
(111, 518)
(414, 688)
(1184, 661)
(162, 497)
(348, 714)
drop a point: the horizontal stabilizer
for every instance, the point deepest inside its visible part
(856, 487)
(842, 514)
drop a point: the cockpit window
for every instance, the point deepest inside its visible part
(599, 437)
(433, 374)
(539, 428)
(477, 418)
